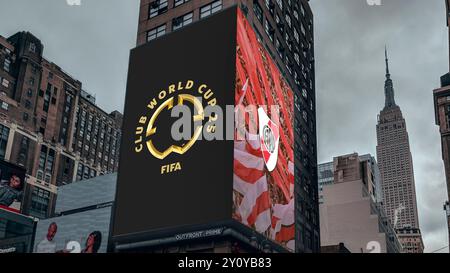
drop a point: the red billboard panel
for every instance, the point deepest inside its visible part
(263, 181)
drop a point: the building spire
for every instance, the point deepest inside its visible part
(388, 75)
(388, 86)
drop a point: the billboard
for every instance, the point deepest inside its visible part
(12, 185)
(263, 179)
(16, 232)
(164, 182)
(242, 175)
(81, 232)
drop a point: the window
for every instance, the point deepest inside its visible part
(280, 4)
(288, 41)
(297, 58)
(258, 11)
(295, 14)
(157, 7)
(27, 104)
(182, 21)
(34, 69)
(29, 93)
(302, 28)
(40, 200)
(304, 93)
(270, 6)
(32, 48)
(5, 82)
(4, 135)
(269, 30)
(296, 36)
(50, 161)
(46, 101)
(210, 8)
(279, 23)
(288, 20)
(279, 48)
(156, 32)
(7, 65)
(4, 105)
(288, 64)
(23, 151)
(297, 104)
(179, 2)
(25, 116)
(31, 81)
(46, 163)
(42, 158)
(297, 82)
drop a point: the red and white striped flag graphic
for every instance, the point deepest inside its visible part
(251, 182)
(283, 228)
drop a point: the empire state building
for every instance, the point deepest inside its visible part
(396, 168)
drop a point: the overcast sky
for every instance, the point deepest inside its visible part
(92, 41)
(350, 72)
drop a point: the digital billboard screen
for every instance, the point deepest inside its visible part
(81, 232)
(12, 185)
(167, 181)
(172, 173)
(263, 178)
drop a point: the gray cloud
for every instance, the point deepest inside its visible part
(350, 37)
(91, 42)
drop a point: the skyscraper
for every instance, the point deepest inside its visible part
(285, 28)
(396, 168)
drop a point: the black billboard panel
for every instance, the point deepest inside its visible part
(165, 183)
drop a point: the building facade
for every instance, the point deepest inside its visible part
(285, 27)
(49, 124)
(349, 212)
(411, 242)
(368, 165)
(395, 163)
(442, 116)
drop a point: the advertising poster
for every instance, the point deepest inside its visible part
(12, 185)
(167, 181)
(263, 179)
(83, 232)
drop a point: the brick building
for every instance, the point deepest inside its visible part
(442, 116)
(49, 124)
(350, 212)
